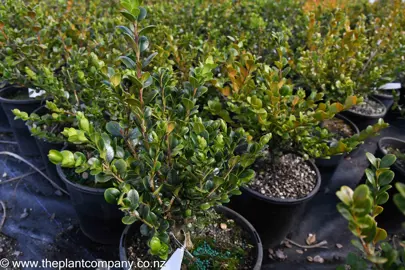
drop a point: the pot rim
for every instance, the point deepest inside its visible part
(82, 188)
(380, 147)
(280, 201)
(16, 101)
(238, 218)
(374, 116)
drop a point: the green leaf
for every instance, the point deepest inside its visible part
(103, 178)
(114, 128)
(80, 159)
(188, 104)
(205, 206)
(387, 161)
(385, 178)
(126, 31)
(247, 159)
(115, 80)
(401, 188)
(218, 180)
(121, 166)
(382, 198)
(372, 159)
(246, 176)
(361, 193)
(400, 202)
(144, 230)
(342, 208)
(55, 157)
(143, 43)
(147, 29)
(147, 60)
(128, 220)
(370, 177)
(111, 195)
(133, 197)
(155, 244)
(128, 62)
(142, 14)
(380, 235)
(68, 159)
(198, 127)
(345, 194)
(377, 259)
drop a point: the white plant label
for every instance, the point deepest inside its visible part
(32, 93)
(390, 86)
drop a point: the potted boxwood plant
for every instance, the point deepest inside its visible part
(260, 99)
(27, 43)
(365, 59)
(361, 207)
(166, 167)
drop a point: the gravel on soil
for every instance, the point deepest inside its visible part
(339, 127)
(290, 177)
(368, 107)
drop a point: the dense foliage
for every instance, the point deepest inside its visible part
(170, 104)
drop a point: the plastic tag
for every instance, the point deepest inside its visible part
(32, 93)
(175, 261)
(390, 86)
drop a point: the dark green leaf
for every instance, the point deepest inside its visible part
(133, 197)
(114, 128)
(128, 62)
(142, 14)
(143, 43)
(111, 195)
(103, 178)
(385, 178)
(387, 161)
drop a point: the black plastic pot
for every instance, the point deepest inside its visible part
(395, 143)
(4, 124)
(273, 218)
(99, 220)
(240, 220)
(363, 121)
(334, 161)
(26, 142)
(44, 147)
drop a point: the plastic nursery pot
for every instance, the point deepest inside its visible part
(395, 143)
(4, 124)
(44, 147)
(99, 220)
(239, 220)
(26, 143)
(362, 120)
(273, 218)
(334, 161)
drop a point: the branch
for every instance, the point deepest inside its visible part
(35, 168)
(3, 220)
(318, 245)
